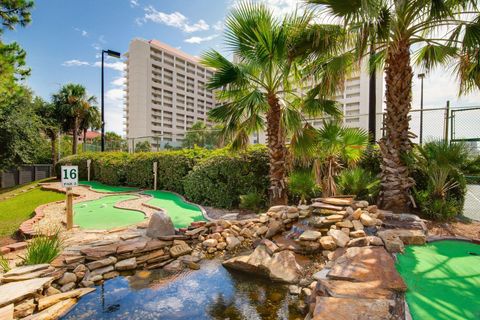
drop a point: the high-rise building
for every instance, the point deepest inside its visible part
(165, 93)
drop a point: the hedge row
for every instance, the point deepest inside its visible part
(214, 178)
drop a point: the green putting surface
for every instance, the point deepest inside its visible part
(181, 212)
(100, 187)
(101, 214)
(443, 280)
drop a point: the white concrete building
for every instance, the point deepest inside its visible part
(165, 93)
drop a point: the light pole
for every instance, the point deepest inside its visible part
(421, 76)
(114, 54)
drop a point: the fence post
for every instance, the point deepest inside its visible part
(447, 113)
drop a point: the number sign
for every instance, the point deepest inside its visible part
(69, 176)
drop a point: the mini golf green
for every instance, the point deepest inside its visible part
(101, 213)
(100, 187)
(181, 212)
(443, 280)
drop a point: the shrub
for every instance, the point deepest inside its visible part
(4, 264)
(302, 186)
(111, 168)
(252, 201)
(359, 182)
(371, 160)
(43, 249)
(221, 178)
(79, 160)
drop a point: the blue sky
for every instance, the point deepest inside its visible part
(65, 39)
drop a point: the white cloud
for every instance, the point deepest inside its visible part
(75, 63)
(279, 7)
(119, 65)
(175, 19)
(119, 82)
(134, 3)
(84, 33)
(198, 40)
(218, 26)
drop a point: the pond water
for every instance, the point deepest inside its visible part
(212, 292)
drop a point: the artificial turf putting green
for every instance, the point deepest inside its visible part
(101, 213)
(14, 211)
(181, 212)
(100, 187)
(443, 280)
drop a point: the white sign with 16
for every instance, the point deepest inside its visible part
(69, 176)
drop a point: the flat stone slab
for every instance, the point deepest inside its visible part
(330, 308)
(16, 291)
(6, 313)
(54, 312)
(348, 289)
(336, 201)
(310, 235)
(321, 205)
(26, 269)
(49, 301)
(407, 236)
(364, 264)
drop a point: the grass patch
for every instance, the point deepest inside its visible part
(43, 249)
(15, 210)
(5, 192)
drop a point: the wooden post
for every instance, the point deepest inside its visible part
(89, 162)
(155, 166)
(69, 208)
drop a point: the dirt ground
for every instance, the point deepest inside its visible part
(458, 228)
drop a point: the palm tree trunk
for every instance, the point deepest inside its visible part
(277, 153)
(395, 180)
(75, 136)
(85, 139)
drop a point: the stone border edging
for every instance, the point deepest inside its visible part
(455, 238)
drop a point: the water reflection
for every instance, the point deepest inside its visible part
(209, 293)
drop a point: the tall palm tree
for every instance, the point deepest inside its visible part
(74, 103)
(50, 120)
(91, 120)
(261, 88)
(432, 32)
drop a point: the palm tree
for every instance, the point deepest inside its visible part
(91, 120)
(74, 103)
(333, 147)
(261, 88)
(435, 32)
(50, 123)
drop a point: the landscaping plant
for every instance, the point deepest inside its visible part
(43, 249)
(252, 201)
(302, 186)
(4, 265)
(360, 183)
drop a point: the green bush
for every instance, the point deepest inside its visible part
(111, 168)
(359, 182)
(252, 201)
(302, 186)
(43, 249)
(221, 178)
(371, 160)
(79, 160)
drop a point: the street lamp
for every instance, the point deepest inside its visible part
(421, 76)
(114, 54)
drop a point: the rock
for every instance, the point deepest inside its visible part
(322, 274)
(174, 266)
(110, 275)
(192, 265)
(375, 241)
(274, 227)
(328, 243)
(100, 252)
(196, 231)
(408, 237)
(280, 266)
(80, 268)
(278, 208)
(132, 246)
(221, 246)
(262, 230)
(232, 242)
(340, 238)
(67, 287)
(24, 309)
(152, 257)
(358, 234)
(46, 302)
(180, 250)
(334, 218)
(367, 220)
(51, 291)
(357, 225)
(26, 269)
(358, 242)
(95, 278)
(67, 278)
(295, 290)
(392, 242)
(321, 205)
(247, 233)
(87, 283)
(160, 225)
(348, 289)
(210, 243)
(100, 271)
(56, 311)
(310, 235)
(336, 201)
(101, 263)
(270, 246)
(330, 308)
(361, 204)
(127, 264)
(363, 264)
(6, 312)
(344, 224)
(211, 250)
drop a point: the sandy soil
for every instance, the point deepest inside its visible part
(463, 229)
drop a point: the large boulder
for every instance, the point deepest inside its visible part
(160, 225)
(280, 266)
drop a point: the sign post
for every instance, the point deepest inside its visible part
(155, 166)
(69, 179)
